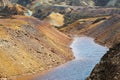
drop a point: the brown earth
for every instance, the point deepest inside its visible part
(55, 19)
(105, 29)
(28, 45)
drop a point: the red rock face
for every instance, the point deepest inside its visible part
(29, 45)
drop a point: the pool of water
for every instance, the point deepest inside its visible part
(87, 54)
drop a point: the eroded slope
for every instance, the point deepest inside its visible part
(104, 29)
(28, 45)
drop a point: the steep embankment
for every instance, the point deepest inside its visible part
(105, 29)
(28, 45)
(109, 66)
(108, 32)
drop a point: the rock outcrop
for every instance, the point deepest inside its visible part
(109, 66)
(107, 3)
(60, 2)
(55, 19)
(7, 9)
(28, 45)
(88, 3)
(72, 10)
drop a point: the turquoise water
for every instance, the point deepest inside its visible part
(87, 54)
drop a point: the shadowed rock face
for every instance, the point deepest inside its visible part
(71, 9)
(90, 3)
(4, 3)
(8, 8)
(101, 2)
(59, 2)
(28, 45)
(109, 66)
(108, 3)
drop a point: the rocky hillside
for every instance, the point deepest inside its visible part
(57, 2)
(108, 32)
(28, 45)
(90, 3)
(7, 9)
(108, 3)
(105, 29)
(109, 66)
(72, 10)
(71, 14)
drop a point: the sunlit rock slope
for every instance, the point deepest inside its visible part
(104, 29)
(28, 45)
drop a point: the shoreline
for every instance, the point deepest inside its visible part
(30, 76)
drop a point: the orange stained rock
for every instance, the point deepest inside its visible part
(28, 45)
